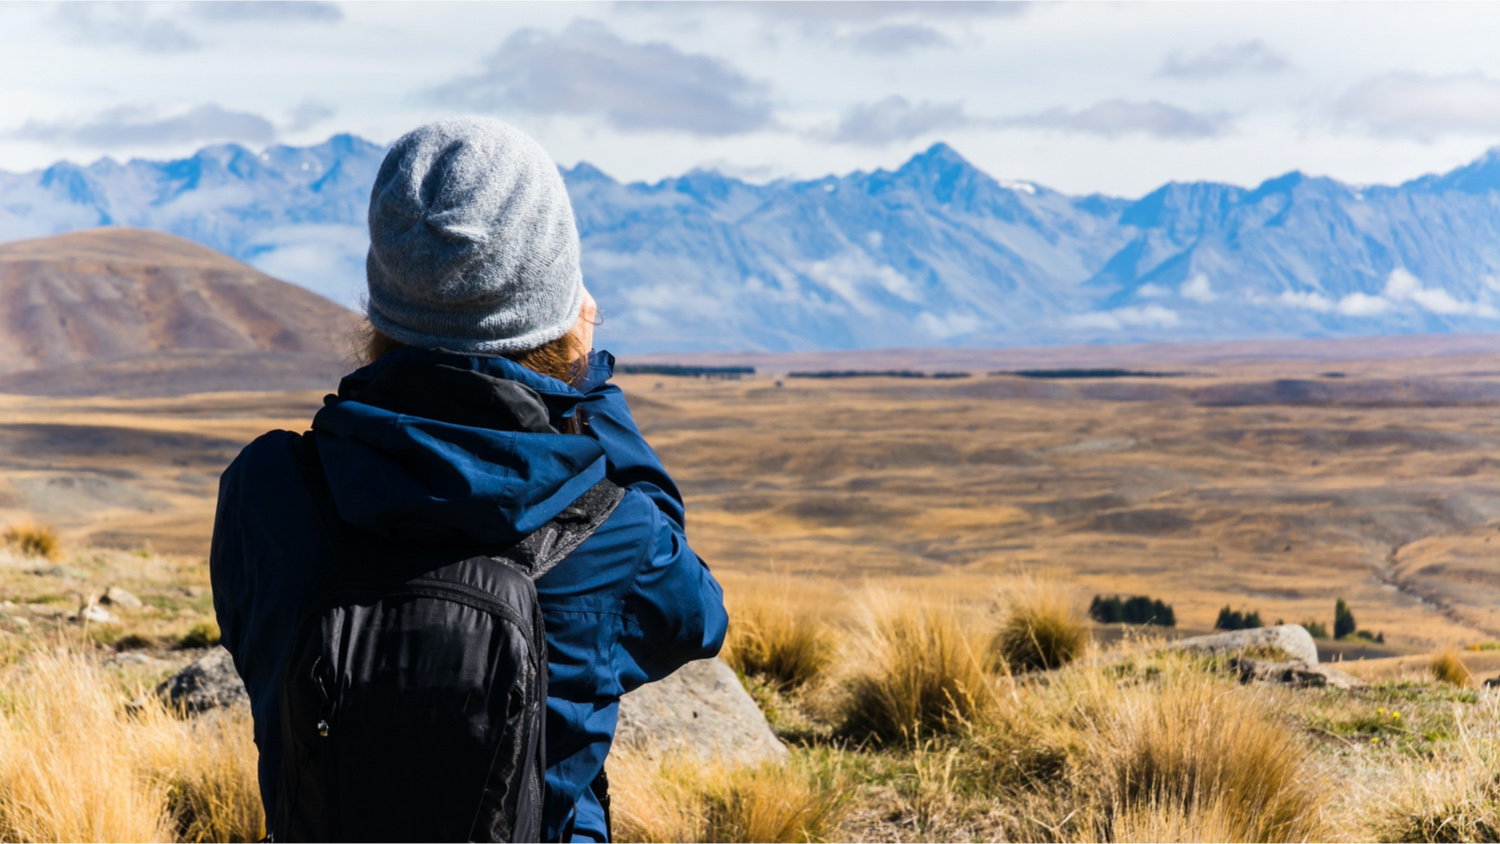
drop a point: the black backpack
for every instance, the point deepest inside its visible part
(414, 695)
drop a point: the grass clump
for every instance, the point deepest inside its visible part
(684, 798)
(916, 669)
(33, 540)
(778, 640)
(1199, 760)
(1453, 797)
(204, 634)
(76, 766)
(1448, 667)
(1040, 628)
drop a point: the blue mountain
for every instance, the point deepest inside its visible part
(936, 252)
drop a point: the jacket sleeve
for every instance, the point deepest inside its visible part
(631, 462)
(673, 612)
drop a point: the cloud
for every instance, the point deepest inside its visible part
(1136, 316)
(274, 11)
(899, 38)
(896, 119)
(124, 24)
(587, 69)
(1246, 57)
(133, 126)
(853, 11)
(1118, 117)
(1400, 287)
(1412, 105)
(309, 113)
(1198, 289)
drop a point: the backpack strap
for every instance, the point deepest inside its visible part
(536, 554)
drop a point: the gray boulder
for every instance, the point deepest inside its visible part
(1291, 639)
(207, 682)
(1292, 673)
(702, 709)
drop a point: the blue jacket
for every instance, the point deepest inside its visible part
(629, 606)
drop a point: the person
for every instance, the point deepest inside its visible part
(482, 414)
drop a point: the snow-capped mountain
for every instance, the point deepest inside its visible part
(934, 253)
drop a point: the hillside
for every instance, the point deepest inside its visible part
(935, 253)
(133, 312)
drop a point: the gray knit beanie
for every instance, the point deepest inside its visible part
(473, 247)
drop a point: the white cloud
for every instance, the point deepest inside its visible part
(899, 38)
(1246, 57)
(135, 126)
(1400, 287)
(1116, 118)
(1413, 105)
(896, 119)
(1198, 289)
(1136, 316)
(1150, 290)
(588, 69)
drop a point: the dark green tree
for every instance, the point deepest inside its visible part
(1343, 620)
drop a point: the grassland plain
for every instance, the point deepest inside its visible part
(1270, 488)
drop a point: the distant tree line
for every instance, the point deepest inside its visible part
(1138, 609)
(1231, 619)
(686, 371)
(875, 373)
(1344, 625)
(1088, 373)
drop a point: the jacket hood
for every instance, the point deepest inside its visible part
(434, 447)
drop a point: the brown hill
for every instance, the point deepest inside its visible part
(132, 312)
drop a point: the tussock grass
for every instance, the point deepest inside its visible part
(914, 668)
(76, 766)
(777, 638)
(1205, 759)
(33, 540)
(1448, 667)
(1041, 627)
(682, 798)
(1454, 798)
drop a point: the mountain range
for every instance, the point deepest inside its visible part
(934, 253)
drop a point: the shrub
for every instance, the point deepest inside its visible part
(1138, 609)
(1315, 629)
(1343, 620)
(1235, 620)
(1200, 760)
(1040, 628)
(680, 798)
(204, 634)
(916, 669)
(132, 642)
(774, 638)
(33, 540)
(1448, 668)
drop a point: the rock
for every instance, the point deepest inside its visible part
(701, 708)
(205, 683)
(1493, 682)
(45, 610)
(119, 597)
(133, 659)
(1292, 673)
(65, 572)
(1291, 639)
(96, 614)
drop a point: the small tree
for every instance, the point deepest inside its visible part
(1343, 620)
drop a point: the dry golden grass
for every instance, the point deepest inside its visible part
(914, 667)
(1451, 798)
(1041, 627)
(75, 765)
(33, 540)
(1448, 667)
(683, 798)
(777, 638)
(1197, 759)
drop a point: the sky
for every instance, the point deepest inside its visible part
(1082, 97)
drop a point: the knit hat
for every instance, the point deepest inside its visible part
(473, 247)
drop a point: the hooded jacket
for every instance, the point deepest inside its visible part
(429, 445)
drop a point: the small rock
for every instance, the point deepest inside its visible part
(96, 614)
(45, 610)
(130, 659)
(205, 683)
(19, 623)
(119, 597)
(1493, 682)
(1291, 639)
(1292, 673)
(65, 572)
(702, 708)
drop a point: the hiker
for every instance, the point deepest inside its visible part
(384, 581)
